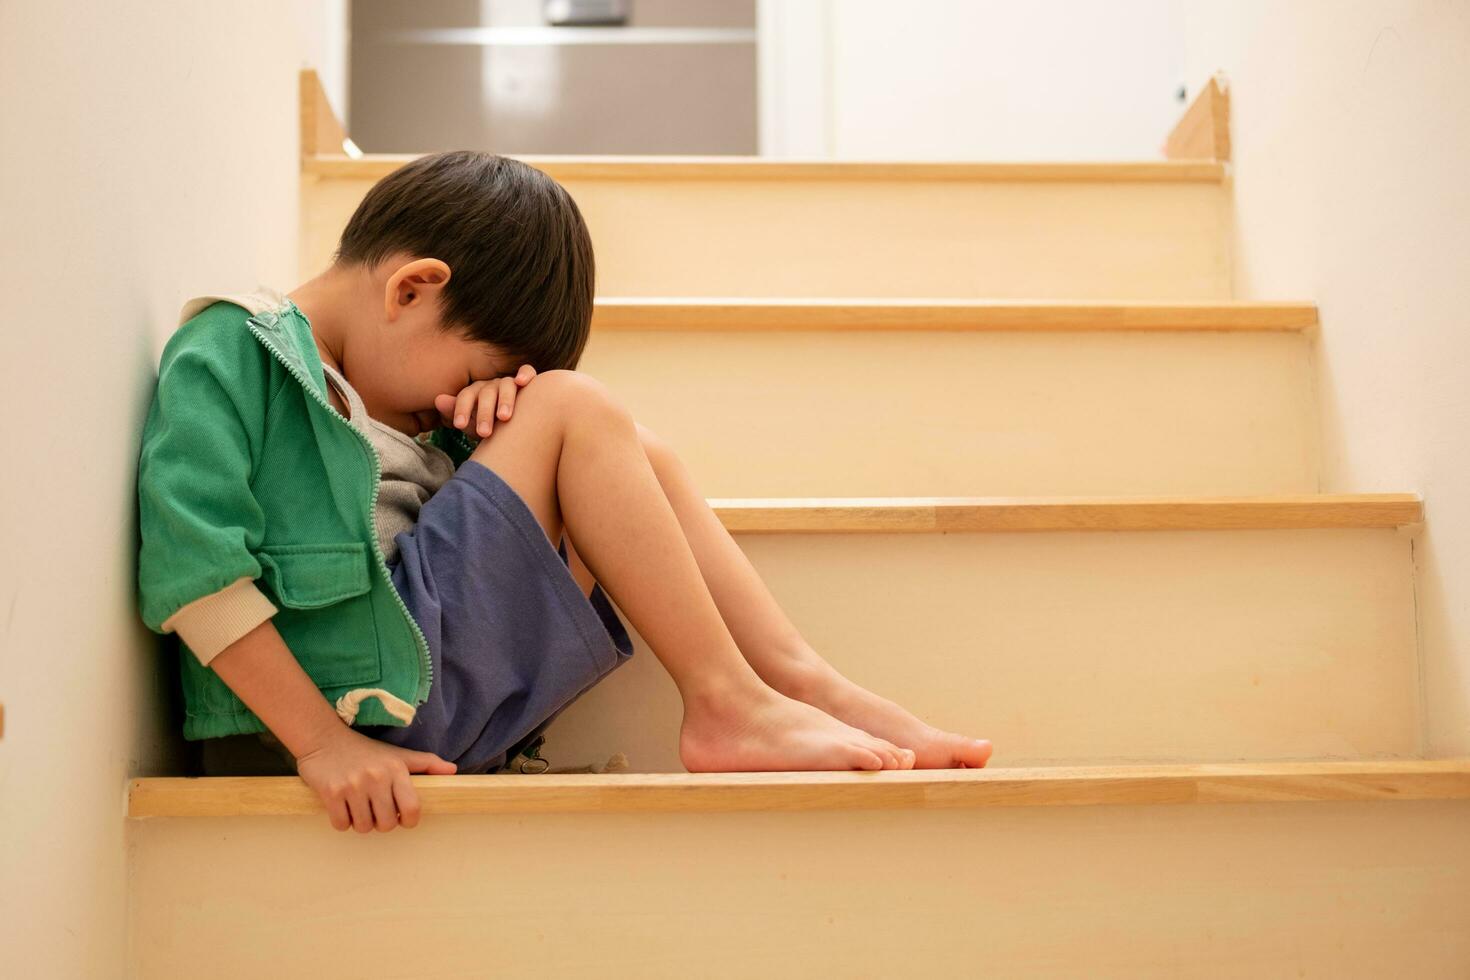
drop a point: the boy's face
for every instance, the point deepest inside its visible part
(409, 363)
(392, 351)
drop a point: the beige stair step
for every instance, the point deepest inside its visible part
(866, 396)
(1147, 631)
(911, 789)
(1371, 886)
(712, 226)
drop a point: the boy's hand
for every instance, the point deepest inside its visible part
(364, 782)
(480, 401)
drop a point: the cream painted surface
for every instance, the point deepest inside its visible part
(960, 79)
(793, 78)
(892, 413)
(1358, 890)
(1164, 240)
(1351, 130)
(150, 155)
(1081, 647)
(323, 28)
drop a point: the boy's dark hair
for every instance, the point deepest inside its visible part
(522, 275)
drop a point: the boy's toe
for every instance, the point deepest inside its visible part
(975, 752)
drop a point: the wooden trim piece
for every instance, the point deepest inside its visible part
(1203, 132)
(720, 313)
(887, 789)
(321, 131)
(767, 515)
(373, 166)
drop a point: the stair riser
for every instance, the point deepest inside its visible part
(792, 237)
(892, 413)
(1082, 647)
(1342, 890)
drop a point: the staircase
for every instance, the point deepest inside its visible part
(1122, 571)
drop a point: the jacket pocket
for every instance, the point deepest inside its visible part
(309, 576)
(326, 612)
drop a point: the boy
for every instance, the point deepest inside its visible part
(337, 541)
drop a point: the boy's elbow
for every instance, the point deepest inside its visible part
(213, 622)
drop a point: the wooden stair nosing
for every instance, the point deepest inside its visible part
(927, 514)
(636, 313)
(584, 167)
(918, 789)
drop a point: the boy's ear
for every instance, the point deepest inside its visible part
(418, 281)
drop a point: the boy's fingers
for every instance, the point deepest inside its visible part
(464, 406)
(483, 421)
(406, 798)
(525, 374)
(362, 813)
(337, 813)
(445, 405)
(385, 810)
(507, 399)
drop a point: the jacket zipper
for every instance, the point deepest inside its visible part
(426, 673)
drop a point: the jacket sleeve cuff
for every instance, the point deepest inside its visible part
(211, 623)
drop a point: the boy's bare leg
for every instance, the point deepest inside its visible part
(768, 639)
(573, 454)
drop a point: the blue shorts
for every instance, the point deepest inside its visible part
(512, 636)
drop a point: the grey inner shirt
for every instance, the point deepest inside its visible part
(412, 470)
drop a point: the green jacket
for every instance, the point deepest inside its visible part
(255, 501)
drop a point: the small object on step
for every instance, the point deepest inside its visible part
(617, 762)
(529, 761)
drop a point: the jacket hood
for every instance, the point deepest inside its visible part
(289, 336)
(258, 300)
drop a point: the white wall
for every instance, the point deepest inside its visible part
(968, 79)
(323, 27)
(148, 153)
(1351, 127)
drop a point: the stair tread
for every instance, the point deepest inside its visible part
(372, 166)
(945, 313)
(1109, 513)
(1233, 782)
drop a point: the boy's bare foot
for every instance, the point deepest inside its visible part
(756, 729)
(820, 684)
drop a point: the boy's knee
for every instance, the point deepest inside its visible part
(655, 448)
(576, 391)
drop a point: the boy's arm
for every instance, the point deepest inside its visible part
(263, 672)
(198, 518)
(209, 624)
(201, 527)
